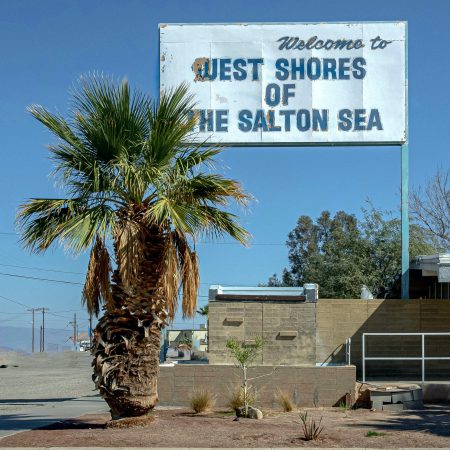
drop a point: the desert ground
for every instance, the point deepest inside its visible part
(45, 382)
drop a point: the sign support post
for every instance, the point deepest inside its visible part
(405, 220)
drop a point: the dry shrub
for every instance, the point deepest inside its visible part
(284, 400)
(202, 401)
(311, 428)
(236, 398)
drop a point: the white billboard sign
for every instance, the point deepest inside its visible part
(291, 84)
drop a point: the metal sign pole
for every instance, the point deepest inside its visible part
(405, 186)
(405, 221)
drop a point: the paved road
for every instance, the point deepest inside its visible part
(44, 388)
(41, 413)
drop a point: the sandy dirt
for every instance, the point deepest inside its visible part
(180, 428)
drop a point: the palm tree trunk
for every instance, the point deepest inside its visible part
(127, 338)
(126, 364)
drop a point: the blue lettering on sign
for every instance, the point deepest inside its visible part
(313, 68)
(357, 120)
(298, 68)
(240, 69)
(344, 68)
(358, 71)
(255, 62)
(245, 120)
(225, 69)
(344, 120)
(272, 125)
(209, 120)
(287, 113)
(360, 120)
(260, 121)
(222, 120)
(240, 73)
(320, 120)
(206, 118)
(272, 97)
(374, 120)
(282, 72)
(303, 120)
(288, 92)
(329, 69)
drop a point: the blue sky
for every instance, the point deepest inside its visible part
(45, 46)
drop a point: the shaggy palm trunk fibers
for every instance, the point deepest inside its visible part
(126, 342)
(126, 364)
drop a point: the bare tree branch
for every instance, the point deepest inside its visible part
(431, 207)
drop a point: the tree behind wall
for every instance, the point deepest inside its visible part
(341, 253)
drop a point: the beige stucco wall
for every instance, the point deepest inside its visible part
(288, 330)
(323, 327)
(339, 319)
(308, 386)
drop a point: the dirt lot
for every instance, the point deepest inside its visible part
(180, 428)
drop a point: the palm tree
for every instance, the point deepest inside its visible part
(203, 311)
(132, 175)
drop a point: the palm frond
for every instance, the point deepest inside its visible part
(73, 222)
(110, 119)
(172, 124)
(210, 189)
(170, 277)
(194, 156)
(130, 245)
(97, 286)
(190, 276)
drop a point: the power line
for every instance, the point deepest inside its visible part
(42, 269)
(14, 301)
(238, 243)
(40, 279)
(4, 233)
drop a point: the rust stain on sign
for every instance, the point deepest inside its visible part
(269, 122)
(200, 67)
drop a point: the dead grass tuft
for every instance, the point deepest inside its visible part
(284, 400)
(236, 398)
(202, 401)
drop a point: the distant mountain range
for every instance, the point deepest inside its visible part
(19, 339)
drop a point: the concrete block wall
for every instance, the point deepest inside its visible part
(339, 319)
(288, 329)
(308, 386)
(321, 330)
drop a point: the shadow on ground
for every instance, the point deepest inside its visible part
(434, 419)
(42, 401)
(21, 421)
(28, 401)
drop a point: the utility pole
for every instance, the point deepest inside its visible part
(32, 330)
(74, 323)
(90, 331)
(42, 345)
